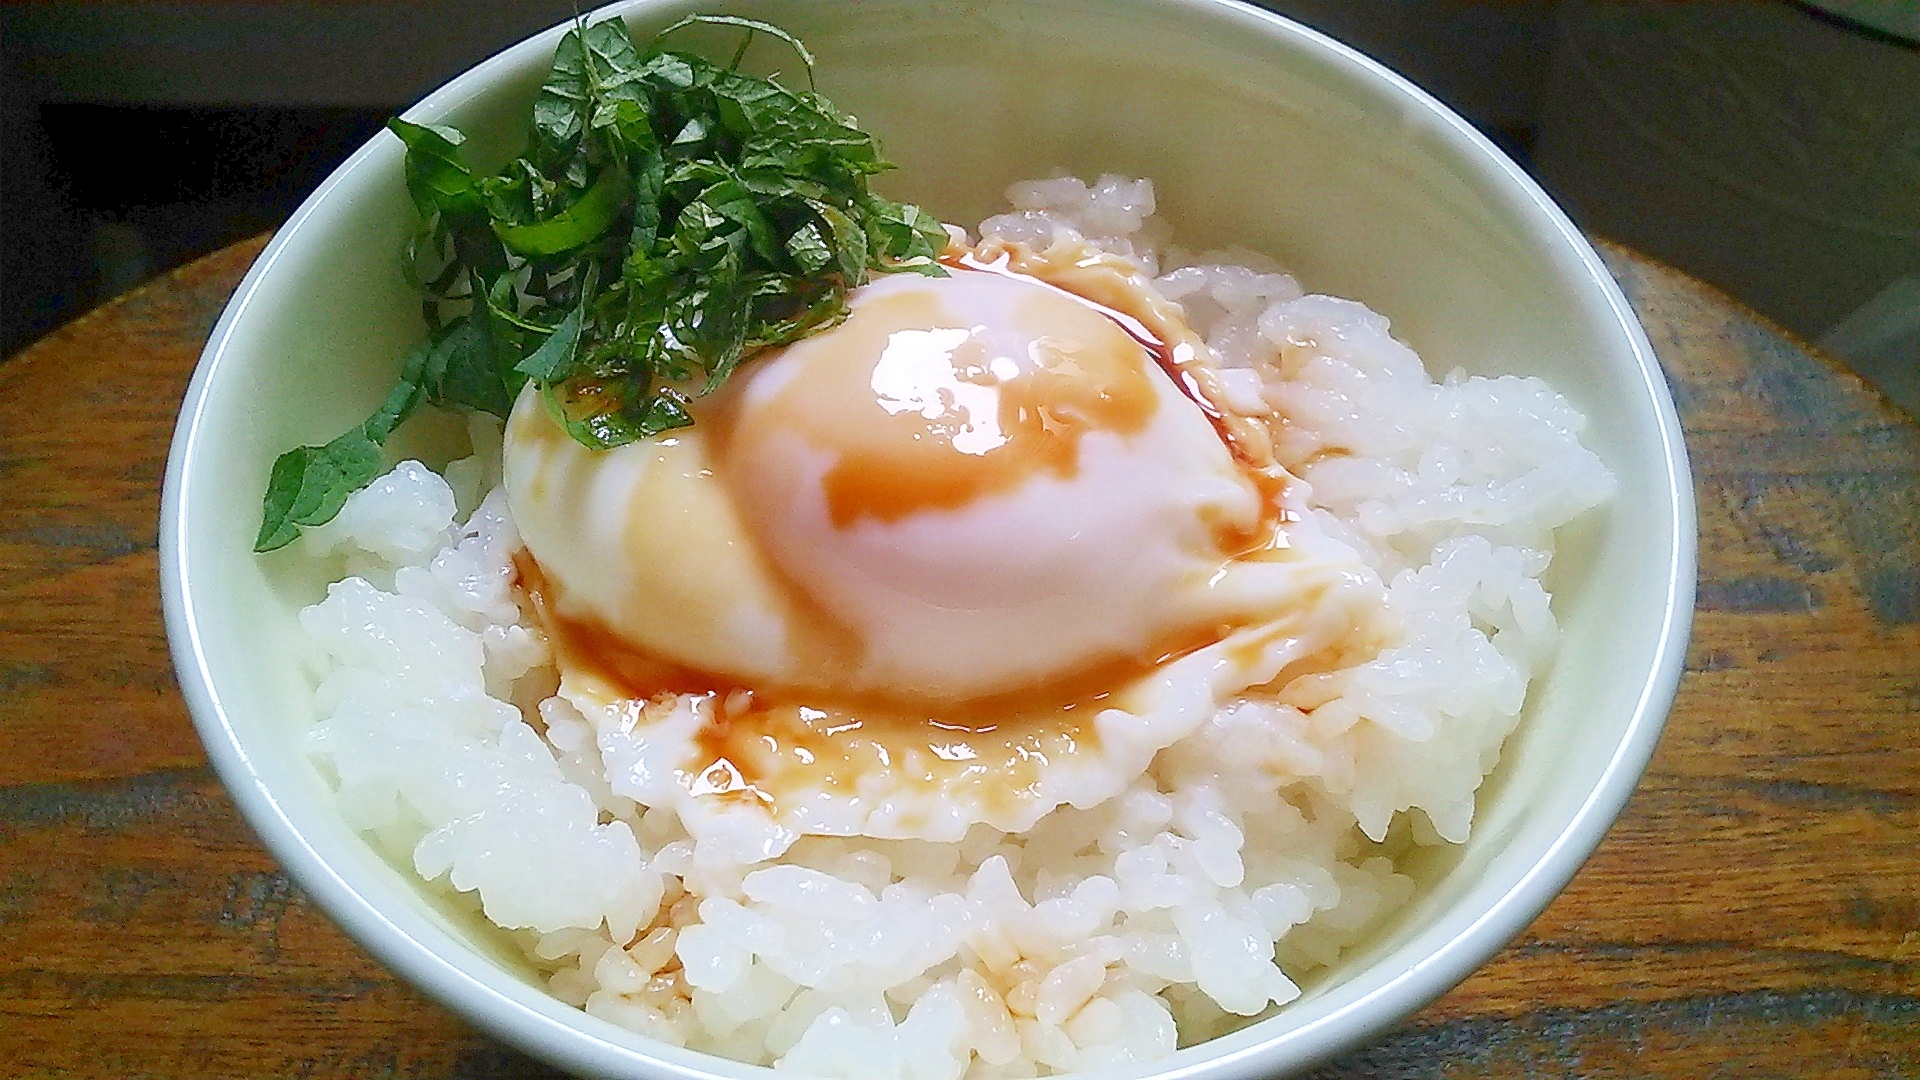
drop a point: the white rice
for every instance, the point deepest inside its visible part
(1251, 852)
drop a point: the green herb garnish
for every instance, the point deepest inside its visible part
(670, 218)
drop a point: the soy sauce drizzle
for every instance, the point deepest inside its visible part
(1268, 478)
(1162, 353)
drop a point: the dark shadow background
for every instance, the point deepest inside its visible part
(1767, 146)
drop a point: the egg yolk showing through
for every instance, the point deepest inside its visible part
(973, 485)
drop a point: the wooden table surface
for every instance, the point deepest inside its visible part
(1755, 913)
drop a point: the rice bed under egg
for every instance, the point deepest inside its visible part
(1251, 852)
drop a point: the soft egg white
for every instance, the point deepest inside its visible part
(988, 482)
(973, 484)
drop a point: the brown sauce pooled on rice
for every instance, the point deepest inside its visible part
(767, 743)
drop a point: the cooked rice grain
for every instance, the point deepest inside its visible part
(1252, 852)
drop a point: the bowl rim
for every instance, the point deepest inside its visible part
(541, 1025)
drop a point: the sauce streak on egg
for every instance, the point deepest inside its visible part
(1106, 288)
(926, 410)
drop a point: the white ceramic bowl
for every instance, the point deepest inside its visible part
(1256, 132)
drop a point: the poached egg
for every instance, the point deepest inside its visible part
(935, 546)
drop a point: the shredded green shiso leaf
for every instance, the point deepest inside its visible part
(670, 218)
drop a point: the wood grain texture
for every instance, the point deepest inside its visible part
(1754, 914)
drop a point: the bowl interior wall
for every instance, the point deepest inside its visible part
(1254, 138)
